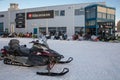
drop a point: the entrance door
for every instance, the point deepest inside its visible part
(1, 28)
(35, 31)
(12, 27)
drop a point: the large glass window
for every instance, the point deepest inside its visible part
(79, 11)
(54, 30)
(112, 17)
(61, 29)
(1, 27)
(108, 16)
(42, 30)
(99, 15)
(104, 15)
(79, 29)
(90, 23)
(91, 12)
(62, 13)
(57, 13)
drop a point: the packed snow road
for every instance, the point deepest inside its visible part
(92, 61)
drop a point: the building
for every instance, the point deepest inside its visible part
(100, 20)
(118, 26)
(70, 19)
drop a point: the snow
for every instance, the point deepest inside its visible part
(92, 61)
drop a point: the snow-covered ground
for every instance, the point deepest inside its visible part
(92, 61)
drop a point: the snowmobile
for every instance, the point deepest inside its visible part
(38, 55)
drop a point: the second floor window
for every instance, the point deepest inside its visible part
(56, 13)
(79, 12)
(62, 13)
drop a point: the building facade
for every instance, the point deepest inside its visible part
(69, 18)
(100, 20)
(118, 26)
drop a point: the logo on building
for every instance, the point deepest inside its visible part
(30, 15)
(40, 14)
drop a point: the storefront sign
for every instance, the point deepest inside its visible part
(1, 16)
(40, 14)
(20, 20)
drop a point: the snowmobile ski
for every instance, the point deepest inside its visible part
(68, 61)
(65, 70)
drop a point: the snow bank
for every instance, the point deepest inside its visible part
(92, 61)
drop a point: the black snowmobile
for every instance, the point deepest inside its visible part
(38, 55)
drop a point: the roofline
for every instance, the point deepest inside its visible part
(101, 6)
(59, 5)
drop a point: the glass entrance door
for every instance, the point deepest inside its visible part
(1, 28)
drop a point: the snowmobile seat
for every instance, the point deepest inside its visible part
(14, 44)
(18, 50)
(24, 51)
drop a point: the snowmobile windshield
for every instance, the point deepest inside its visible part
(39, 46)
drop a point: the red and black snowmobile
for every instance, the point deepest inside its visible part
(38, 55)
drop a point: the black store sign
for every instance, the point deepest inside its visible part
(1, 16)
(40, 14)
(20, 20)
